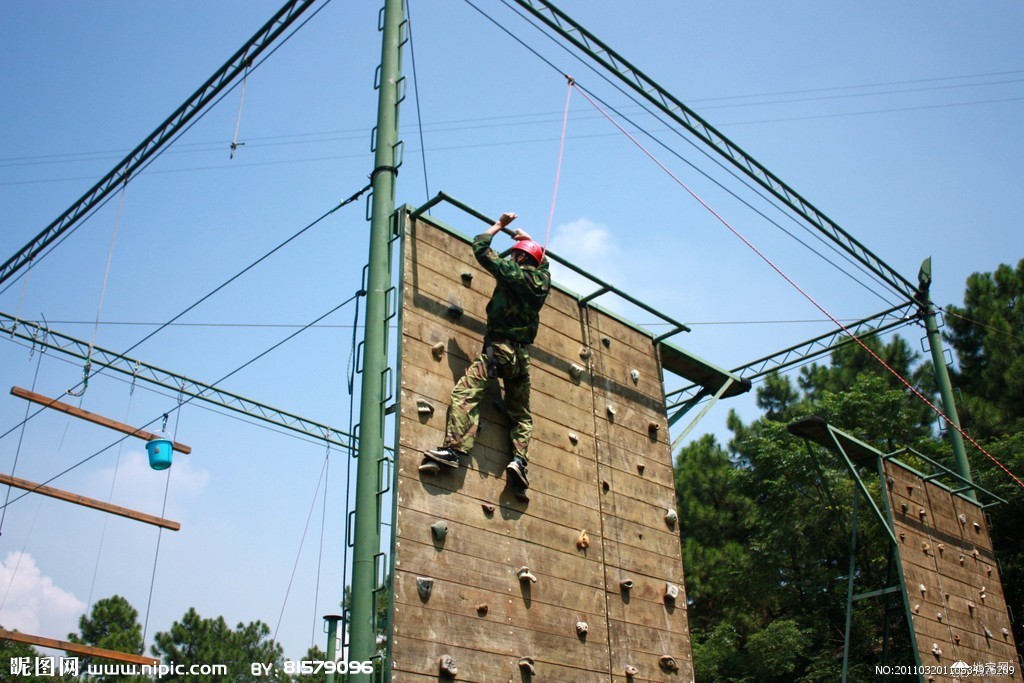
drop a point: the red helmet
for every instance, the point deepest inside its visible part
(531, 248)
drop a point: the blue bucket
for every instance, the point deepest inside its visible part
(160, 450)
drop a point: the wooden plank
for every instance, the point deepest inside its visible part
(57, 405)
(89, 502)
(86, 650)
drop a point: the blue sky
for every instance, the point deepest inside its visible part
(900, 121)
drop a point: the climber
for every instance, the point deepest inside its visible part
(513, 317)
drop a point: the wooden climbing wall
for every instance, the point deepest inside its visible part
(954, 591)
(600, 464)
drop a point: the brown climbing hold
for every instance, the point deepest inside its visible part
(607, 342)
(605, 485)
(582, 541)
(653, 427)
(631, 671)
(488, 509)
(640, 467)
(481, 609)
(668, 663)
(437, 350)
(447, 665)
(956, 638)
(524, 574)
(467, 278)
(585, 352)
(527, 664)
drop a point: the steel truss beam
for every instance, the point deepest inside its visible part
(888, 319)
(102, 358)
(122, 173)
(605, 56)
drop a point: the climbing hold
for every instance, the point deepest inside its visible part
(423, 407)
(467, 278)
(922, 513)
(962, 517)
(975, 554)
(437, 350)
(988, 634)
(942, 548)
(455, 311)
(582, 541)
(903, 508)
(956, 638)
(988, 570)
(528, 665)
(938, 615)
(970, 607)
(423, 587)
(585, 353)
(488, 509)
(524, 574)
(925, 547)
(903, 535)
(981, 594)
(671, 517)
(575, 371)
(977, 527)
(671, 592)
(605, 485)
(582, 628)
(653, 427)
(910, 490)
(635, 376)
(439, 530)
(917, 607)
(1006, 632)
(447, 666)
(889, 481)
(626, 585)
(668, 663)
(962, 558)
(631, 671)
(922, 588)
(640, 467)
(611, 412)
(574, 438)
(607, 342)
(935, 650)
(481, 609)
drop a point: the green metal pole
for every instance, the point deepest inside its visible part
(362, 643)
(332, 641)
(963, 467)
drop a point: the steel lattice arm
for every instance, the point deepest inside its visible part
(121, 173)
(569, 29)
(102, 358)
(812, 348)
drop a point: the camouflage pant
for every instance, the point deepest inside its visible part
(512, 365)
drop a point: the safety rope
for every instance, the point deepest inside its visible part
(235, 144)
(163, 513)
(561, 154)
(797, 287)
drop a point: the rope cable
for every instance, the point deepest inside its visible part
(561, 153)
(416, 93)
(323, 526)
(803, 293)
(238, 120)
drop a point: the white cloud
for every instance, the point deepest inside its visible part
(590, 246)
(32, 603)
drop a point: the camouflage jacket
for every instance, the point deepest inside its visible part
(514, 309)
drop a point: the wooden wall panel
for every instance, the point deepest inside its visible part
(948, 566)
(608, 476)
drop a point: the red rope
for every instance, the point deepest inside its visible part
(797, 287)
(558, 170)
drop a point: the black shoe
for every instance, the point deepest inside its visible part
(444, 455)
(517, 471)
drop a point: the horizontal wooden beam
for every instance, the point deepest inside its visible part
(89, 502)
(77, 648)
(48, 402)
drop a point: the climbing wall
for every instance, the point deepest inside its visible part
(953, 586)
(582, 582)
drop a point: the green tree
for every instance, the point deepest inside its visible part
(987, 333)
(112, 624)
(197, 640)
